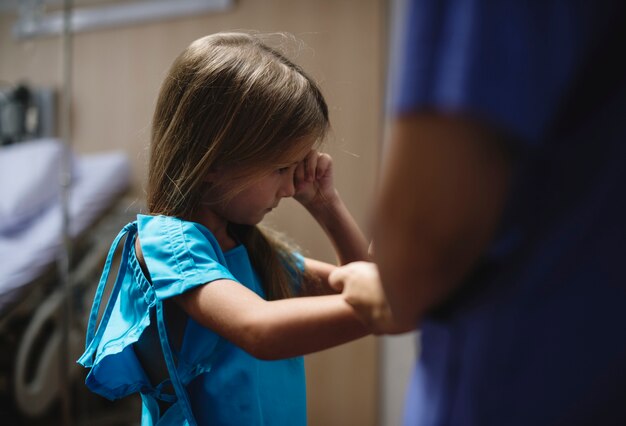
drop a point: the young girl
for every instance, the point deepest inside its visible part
(209, 314)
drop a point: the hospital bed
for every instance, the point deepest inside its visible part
(32, 297)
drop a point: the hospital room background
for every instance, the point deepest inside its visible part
(78, 84)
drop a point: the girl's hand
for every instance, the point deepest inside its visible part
(313, 179)
(361, 287)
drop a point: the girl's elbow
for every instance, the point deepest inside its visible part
(257, 341)
(259, 348)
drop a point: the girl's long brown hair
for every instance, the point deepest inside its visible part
(229, 100)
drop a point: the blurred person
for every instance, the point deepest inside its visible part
(499, 225)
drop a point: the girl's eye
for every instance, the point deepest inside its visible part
(287, 169)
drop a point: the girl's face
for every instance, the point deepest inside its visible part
(250, 205)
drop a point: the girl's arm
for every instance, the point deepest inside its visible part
(270, 330)
(316, 192)
(276, 329)
(296, 326)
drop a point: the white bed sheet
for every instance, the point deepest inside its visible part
(25, 254)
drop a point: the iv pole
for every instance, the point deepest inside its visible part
(65, 181)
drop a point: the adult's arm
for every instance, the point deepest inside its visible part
(443, 188)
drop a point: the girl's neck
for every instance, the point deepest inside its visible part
(217, 225)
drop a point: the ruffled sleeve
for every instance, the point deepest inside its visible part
(180, 255)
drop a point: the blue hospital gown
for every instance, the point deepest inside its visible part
(215, 381)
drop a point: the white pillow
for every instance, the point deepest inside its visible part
(29, 180)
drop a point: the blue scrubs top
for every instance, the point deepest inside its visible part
(537, 335)
(215, 382)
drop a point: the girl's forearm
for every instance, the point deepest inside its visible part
(344, 233)
(293, 327)
(276, 329)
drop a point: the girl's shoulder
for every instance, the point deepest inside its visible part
(170, 228)
(178, 253)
